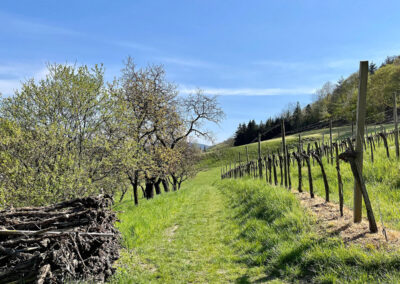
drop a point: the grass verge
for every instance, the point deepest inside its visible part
(277, 234)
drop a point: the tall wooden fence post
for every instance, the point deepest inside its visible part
(396, 129)
(284, 153)
(360, 126)
(330, 140)
(260, 167)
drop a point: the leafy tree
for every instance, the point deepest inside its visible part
(53, 145)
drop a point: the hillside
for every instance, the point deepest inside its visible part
(333, 101)
(247, 231)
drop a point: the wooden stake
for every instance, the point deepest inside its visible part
(284, 153)
(361, 110)
(260, 168)
(330, 139)
(340, 183)
(396, 129)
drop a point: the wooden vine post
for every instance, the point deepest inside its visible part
(270, 169)
(396, 129)
(340, 183)
(298, 159)
(288, 168)
(274, 165)
(247, 159)
(284, 153)
(360, 126)
(260, 167)
(280, 166)
(330, 139)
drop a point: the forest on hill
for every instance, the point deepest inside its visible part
(336, 102)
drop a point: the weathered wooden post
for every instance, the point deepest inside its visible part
(298, 159)
(371, 141)
(340, 183)
(361, 111)
(285, 166)
(330, 139)
(288, 168)
(396, 129)
(281, 166)
(248, 162)
(274, 165)
(300, 148)
(260, 167)
(270, 169)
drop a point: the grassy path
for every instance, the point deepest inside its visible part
(239, 231)
(182, 237)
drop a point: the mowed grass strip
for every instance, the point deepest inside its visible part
(181, 237)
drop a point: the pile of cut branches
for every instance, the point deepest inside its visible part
(71, 240)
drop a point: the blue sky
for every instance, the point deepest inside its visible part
(258, 56)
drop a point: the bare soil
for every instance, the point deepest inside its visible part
(330, 222)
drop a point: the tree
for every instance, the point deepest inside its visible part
(143, 98)
(184, 119)
(297, 117)
(53, 144)
(372, 68)
(185, 167)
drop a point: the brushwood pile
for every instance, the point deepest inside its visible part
(72, 240)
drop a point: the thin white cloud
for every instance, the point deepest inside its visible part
(249, 91)
(281, 64)
(132, 45)
(314, 66)
(31, 26)
(187, 62)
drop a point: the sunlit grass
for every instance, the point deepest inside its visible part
(277, 234)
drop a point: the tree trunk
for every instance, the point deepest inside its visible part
(165, 184)
(134, 182)
(123, 193)
(157, 186)
(174, 183)
(149, 188)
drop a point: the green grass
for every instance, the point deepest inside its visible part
(180, 237)
(245, 231)
(382, 177)
(237, 231)
(279, 236)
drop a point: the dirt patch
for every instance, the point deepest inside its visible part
(330, 222)
(170, 232)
